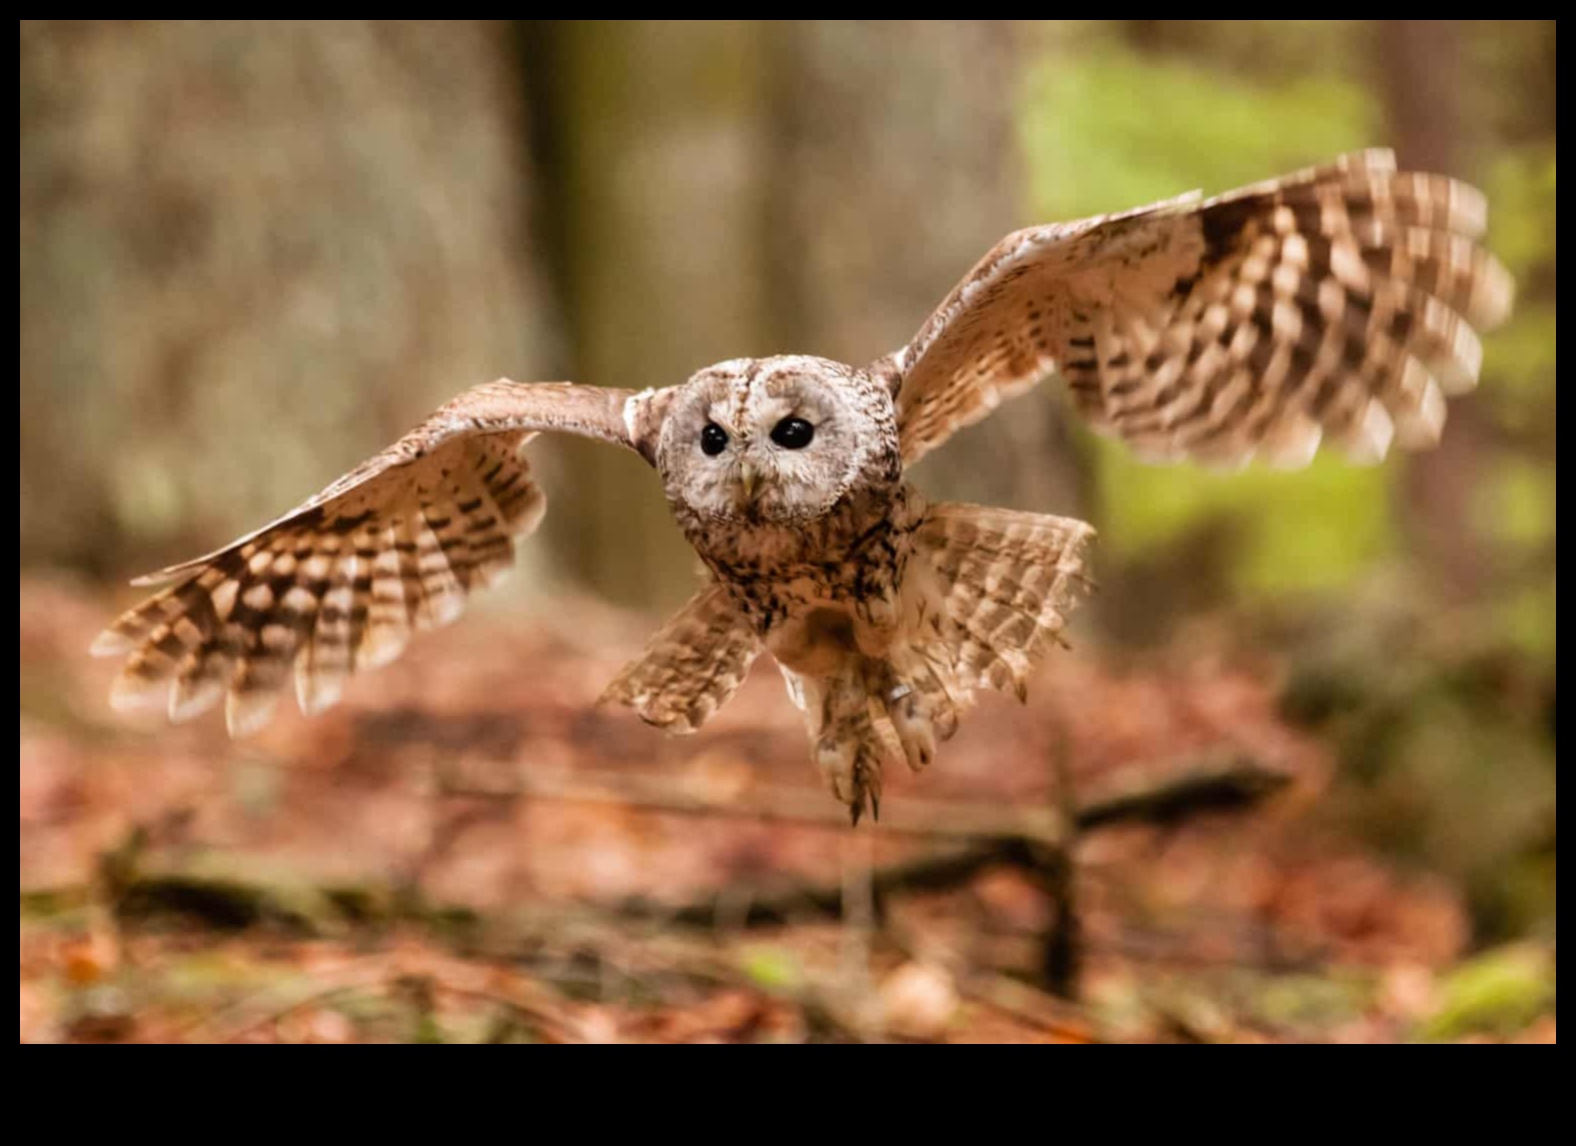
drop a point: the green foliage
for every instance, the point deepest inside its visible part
(1107, 128)
(1516, 504)
(1521, 186)
(1498, 992)
(1448, 760)
(773, 968)
(1443, 734)
(1312, 528)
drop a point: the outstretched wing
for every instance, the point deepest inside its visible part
(340, 582)
(1335, 303)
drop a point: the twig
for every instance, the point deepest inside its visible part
(993, 841)
(1232, 782)
(1063, 950)
(812, 806)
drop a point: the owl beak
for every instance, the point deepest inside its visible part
(749, 480)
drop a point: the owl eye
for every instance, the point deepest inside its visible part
(713, 440)
(793, 433)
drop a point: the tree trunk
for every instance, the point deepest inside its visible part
(896, 169)
(251, 255)
(1420, 65)
(657, 185)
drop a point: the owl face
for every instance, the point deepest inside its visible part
(773, 440)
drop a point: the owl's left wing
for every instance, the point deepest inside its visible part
(1336, 303)
(340, 582)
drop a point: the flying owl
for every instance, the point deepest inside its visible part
(1337, 304)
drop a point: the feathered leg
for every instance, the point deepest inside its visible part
(985, 593)
(843, 738)
(691, 666)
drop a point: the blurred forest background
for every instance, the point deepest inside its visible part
(254, 253)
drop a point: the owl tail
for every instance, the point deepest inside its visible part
(691, 666)
(1002, 585)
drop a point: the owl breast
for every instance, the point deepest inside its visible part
(825, 591)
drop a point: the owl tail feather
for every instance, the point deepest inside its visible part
(1003, 585)
(691, 666)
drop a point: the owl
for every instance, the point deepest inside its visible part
(1337, 304)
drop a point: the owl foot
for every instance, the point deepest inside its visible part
(851, 767)
(919, 706)
(906, 707)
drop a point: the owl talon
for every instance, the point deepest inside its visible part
(910, 715)
(867, 781)
(852, 770)
(867, 793)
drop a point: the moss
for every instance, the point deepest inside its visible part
(773, 968)
(1498, 992)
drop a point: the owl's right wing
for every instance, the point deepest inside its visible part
(1336, 303)
(340, 582)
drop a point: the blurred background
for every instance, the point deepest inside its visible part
(253, 254)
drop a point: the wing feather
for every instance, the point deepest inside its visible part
(1339, 303)
(342, 581)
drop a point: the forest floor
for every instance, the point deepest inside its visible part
(467, 849)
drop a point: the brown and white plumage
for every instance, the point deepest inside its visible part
(1008, 581)
(692, 665)
(1336, 304)
(342, 581)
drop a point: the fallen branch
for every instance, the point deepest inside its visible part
(974, 835)
(777, 804)
(1033, 839)
(1157, 793)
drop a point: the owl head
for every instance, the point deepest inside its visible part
(776, 440)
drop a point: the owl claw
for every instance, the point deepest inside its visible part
(852, 770)
(911, 718)
(866, 794)
(857, 809)
(867, 777)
